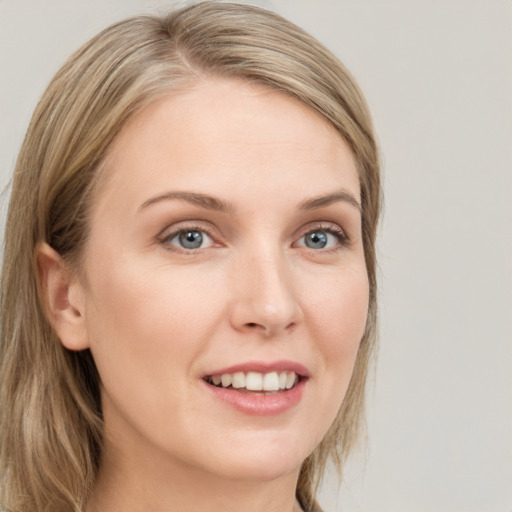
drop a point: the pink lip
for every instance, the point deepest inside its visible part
(263, 367)
(260, 404)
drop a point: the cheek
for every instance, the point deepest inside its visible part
(146, 338)
(338, 320)
(139, 292)
(339, 312)
(142, 322)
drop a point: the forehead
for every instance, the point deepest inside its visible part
(221, 131)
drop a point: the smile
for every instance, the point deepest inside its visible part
(259, 388)
(267, 383)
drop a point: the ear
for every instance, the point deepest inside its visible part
(63, 298)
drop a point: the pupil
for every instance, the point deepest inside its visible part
(191, 239)
(316, 240)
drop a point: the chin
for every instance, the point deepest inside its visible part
(259, 470)
(262, 458)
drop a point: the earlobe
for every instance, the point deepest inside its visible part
(62, 295)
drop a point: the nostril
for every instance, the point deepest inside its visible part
(290, 326)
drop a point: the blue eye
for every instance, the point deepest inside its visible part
(322, 239)
(189, 239)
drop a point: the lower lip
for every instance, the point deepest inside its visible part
(260, 404)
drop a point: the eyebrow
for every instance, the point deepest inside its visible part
(326, 200)
(214, 203)
(202, 200)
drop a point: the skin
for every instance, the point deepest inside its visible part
(159, 317)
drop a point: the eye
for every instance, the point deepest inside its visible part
(189, 239)
(323, 238)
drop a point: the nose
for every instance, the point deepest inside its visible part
(265, 301)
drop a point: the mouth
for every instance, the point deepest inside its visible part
(270, 383)
(259, 388)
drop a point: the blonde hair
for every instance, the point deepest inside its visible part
(51, 421)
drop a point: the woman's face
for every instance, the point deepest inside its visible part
(225, 245)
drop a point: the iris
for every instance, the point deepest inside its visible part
(191, 239)
(316, 240)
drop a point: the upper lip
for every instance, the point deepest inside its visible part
(264, 367)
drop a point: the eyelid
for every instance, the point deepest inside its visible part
(170, 232)
(329, 227)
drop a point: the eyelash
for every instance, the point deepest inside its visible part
(331, 229)
(166, 238)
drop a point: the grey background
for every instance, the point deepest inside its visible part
(438, 77)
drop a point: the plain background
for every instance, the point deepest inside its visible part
(438, 77)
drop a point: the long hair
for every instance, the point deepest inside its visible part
(51, 419)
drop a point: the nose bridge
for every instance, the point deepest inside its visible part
(266, 300)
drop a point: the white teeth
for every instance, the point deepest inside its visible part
(271, 382)
(255, 381)
(226, 380)
(238, 380)
(290, 380)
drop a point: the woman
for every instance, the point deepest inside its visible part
(188, 293)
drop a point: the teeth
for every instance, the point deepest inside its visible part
(290, 380)
(226, 380)
(238, 380)
(254, 381)
(271, 381)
